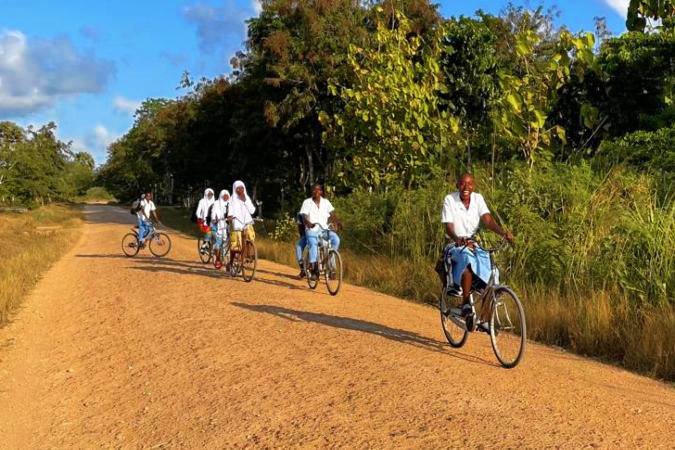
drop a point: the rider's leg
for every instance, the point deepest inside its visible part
(299, 247)
(313, 244)
(143, 230)
(334, 240)
(467, 279)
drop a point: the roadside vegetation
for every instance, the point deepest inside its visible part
(31, 242)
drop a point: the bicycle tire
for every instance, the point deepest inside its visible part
(249, 261)
(454, 333)
(160, 244)
(336, 260)
(130, 246)
(502, 324)
(204, 257)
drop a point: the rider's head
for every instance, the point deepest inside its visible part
(317, 191)
(465, 185)
(209, 194)
(148, 196)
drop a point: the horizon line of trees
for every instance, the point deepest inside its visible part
(380, 95)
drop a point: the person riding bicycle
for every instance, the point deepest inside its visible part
(219, 215)
(240, 217)
(463, 211)
(300, 245)
(317, 212)
(202, 215)
(146, 213)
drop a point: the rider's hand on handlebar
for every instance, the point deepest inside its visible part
(508, 236)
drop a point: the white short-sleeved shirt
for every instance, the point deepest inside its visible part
(317, 214)
(147, 207)
(466, 221)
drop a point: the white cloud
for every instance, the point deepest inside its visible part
(257, 6)
(35, 74)
(619, 6)
(101, 137)
(125, 105)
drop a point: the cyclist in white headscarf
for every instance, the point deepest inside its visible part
(202, 215)
(219, 215)
(240, 216)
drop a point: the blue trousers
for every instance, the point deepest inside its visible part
(299, 247)
(313, 242)
(144, 228)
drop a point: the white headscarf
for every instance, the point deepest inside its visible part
(204, 204)
(220, 207)
(241, 210)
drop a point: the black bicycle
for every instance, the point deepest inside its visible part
(501, 315)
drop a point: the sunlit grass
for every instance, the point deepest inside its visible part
(29, 244)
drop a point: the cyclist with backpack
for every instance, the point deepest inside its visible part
(146, 213)
(201, 216)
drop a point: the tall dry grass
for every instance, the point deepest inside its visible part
(29, 244)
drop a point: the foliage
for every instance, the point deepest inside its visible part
(395, 85)
(35, 167)
(639, 11)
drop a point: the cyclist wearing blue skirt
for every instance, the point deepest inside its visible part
(463, 212)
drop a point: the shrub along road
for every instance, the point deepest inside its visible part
(167, 353)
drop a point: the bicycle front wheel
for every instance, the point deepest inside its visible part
(249, 258)
(453, 326)
(204, 250)
(160, 244)
(333, 272)
(508, 331)
(130, 244)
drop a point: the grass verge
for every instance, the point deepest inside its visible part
(600, 324)
(30, 243)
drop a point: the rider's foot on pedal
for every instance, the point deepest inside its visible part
(217, 264)
(302, 274)
(454, 291)
(484, 326)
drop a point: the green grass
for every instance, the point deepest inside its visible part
(30, 243)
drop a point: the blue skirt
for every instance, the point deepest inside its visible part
(478, 260)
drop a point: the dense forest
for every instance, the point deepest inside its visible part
(37, 168)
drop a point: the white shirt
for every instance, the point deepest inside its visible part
(317, 214)
(465, 221)
(147, 206)
(241, 211)
(219, 215)
(203, 208)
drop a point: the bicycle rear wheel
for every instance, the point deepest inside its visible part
(160, 244)
(205, 252)
(312, 283)
(333, 272)
(508, 331)
(249, 258)
(130, 244)
(453, 326)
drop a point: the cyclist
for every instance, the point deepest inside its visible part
(219, 223)
(462, 259)
(300, 245)
(202, 216)
(240, 217)
(317, 212)
(146, 213)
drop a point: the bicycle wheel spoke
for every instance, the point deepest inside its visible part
(507, 328)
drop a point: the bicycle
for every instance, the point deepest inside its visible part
(205, 248)
(245, 260)
(506, 318)
(158, 242)
(329, 262)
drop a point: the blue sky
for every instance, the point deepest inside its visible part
(87, 64)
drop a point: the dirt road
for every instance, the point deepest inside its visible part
(166, 353)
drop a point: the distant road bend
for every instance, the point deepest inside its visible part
(166, 353)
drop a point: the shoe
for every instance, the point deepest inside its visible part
(484, 327)
(454, 291)
(469, 317)
(302, 274)
(217, 264)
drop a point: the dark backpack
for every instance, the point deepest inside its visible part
(208, 215)
(135, 207)
(193, 217)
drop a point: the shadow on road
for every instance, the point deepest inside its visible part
(345, 323)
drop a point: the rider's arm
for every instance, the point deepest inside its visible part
(492, 225)
(450, 231)
(305, 219)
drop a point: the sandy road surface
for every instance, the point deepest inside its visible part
(165, 353)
